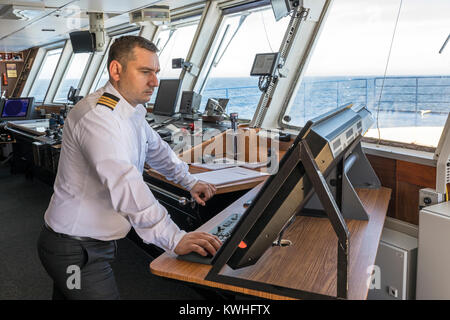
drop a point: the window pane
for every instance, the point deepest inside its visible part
(230, 78)
(104, 68)
(352, 56)
(103, 78)
(175, 46)
(72, 77)
(45, 74)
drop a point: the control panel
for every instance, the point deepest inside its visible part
(428, 197)
(224, 229)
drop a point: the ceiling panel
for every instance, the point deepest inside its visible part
(65, 16)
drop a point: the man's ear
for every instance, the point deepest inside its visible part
(115, 70)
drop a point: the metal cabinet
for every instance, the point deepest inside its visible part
(433, 276)
(395, 267)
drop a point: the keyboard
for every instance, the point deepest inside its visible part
(223, 231)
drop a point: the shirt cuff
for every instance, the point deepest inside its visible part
(171, 238)
(188, 181)
(176, 239)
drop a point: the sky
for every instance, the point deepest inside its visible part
(358, 35)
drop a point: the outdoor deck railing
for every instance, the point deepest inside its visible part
(400, 94)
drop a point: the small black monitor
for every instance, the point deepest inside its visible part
(17, 109)
(223, 102)
(265, 64)
(167, 96)
(265, 213)
(281, 8)
(82, 41)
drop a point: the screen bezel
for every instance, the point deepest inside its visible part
(272, 67)
(253, 219)
(28, 115)
(159, 98)
(280, 8)
(251, 214)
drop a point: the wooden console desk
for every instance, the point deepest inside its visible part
(309, 264)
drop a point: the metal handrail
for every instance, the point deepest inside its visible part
(183, 201)
(371, 87)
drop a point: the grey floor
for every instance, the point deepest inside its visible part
(22, 206)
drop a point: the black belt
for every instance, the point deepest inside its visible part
(62, 235)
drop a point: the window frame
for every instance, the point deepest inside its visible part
(98, 76)
(293, 92)
(66, 69)
(191, 21)
(185, 21)
(51, 47)
(231, 12)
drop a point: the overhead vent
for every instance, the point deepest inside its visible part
(155, 14)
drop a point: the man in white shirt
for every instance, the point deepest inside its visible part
(99, 192)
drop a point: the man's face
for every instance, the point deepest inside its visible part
(137, 82)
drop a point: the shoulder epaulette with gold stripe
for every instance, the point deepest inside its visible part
(108, 100)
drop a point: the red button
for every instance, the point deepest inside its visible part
(242, 245)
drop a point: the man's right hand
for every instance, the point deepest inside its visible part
(200, 242)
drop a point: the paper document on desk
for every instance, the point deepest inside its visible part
(229, 175)
(217, 164)
(213, 166)
(255, 165)
(223, 163)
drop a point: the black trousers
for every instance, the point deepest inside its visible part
(80, 270)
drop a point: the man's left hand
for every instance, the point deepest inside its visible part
(202, 192)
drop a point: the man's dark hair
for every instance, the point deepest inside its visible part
(122, 49)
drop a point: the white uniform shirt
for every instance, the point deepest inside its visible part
(99, 190)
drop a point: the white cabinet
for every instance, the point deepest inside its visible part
(433, 269)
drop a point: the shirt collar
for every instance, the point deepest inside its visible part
(125, 109)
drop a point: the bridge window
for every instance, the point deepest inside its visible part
(103, 75)
(45, 74)
(405, 85)
(73, 76)
(173, 43)
(248, 33)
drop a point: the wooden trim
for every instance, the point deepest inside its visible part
(405, 179)
(399, 144)
(417, 174)
(50, 109)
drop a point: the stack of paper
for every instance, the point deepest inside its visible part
(224, 163)
(229, 175)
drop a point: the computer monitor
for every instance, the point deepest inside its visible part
(265, 64)
(285, 193)
(281, 8)
(17, 109)
(167, 96)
